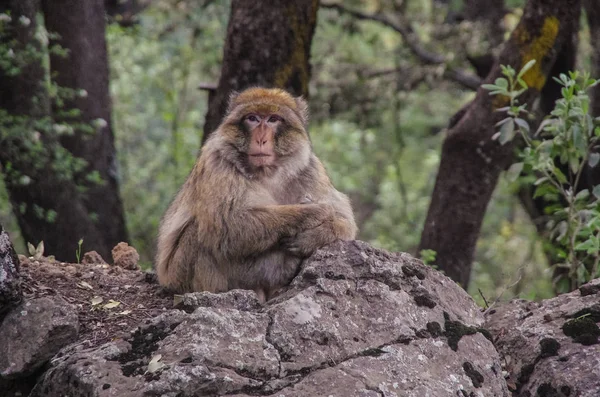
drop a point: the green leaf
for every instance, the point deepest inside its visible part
(559, 175)
(490, 87)
(593, 159)
(503, 121)
(525, 68)
(507, 132)
(501, 82)
(31, 249)
(543, 190)
(596, 191)
(582, 195)
(523, 125)
(584, 246)
(514, 171)
(579, 139)
(574, 164)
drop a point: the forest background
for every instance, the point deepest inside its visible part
(388, 79)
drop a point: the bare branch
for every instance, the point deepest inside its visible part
(467, 80)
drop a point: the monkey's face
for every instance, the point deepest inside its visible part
(266, 130)
(260, 130)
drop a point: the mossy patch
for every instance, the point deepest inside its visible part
(593, 312)
(538, 49)
(547, 390)
(455, 330)
(531, 47)
(525, 374)
(424, 298)
(582, 330)
(434, 328)
(476, 376)
(411, 270)
(144, 342)
(549, 347)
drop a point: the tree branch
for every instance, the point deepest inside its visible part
(467, 80)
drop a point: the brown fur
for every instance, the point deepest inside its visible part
(236, 226)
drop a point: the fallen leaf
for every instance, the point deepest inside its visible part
(177, 299)
(154, 364)
(96, 300)
(111, 304)
(84, 285)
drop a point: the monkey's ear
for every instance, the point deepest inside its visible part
(302, 109)
(231, 103)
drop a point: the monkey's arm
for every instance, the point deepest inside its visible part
(340, 226)
(259, 229)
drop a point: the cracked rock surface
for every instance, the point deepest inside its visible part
(34, 332)
(551, 348)
(10, 284)
(356, 321)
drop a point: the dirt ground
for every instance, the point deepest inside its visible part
(110, 300)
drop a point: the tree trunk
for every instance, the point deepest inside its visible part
(46, 202)
(265, 46)
(471, 161)
(81, 29)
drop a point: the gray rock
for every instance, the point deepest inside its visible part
(238, 299)
(34, 332)
(551, 348)
(10, 283)
(356, 321)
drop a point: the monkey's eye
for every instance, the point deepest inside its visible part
(251, 121)
(274, 119)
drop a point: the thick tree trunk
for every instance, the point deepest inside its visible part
(46, 202)
(81, 29)
(471, 161)
(266, 46)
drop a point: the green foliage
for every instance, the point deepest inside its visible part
(554, 160)
(36, 252)
(78, 250)
(428, 256)
(31, 140)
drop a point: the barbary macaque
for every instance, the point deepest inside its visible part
(257, 202)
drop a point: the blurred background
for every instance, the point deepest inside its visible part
(386, 78)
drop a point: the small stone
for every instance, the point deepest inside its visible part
(92, 258)
(125, 256)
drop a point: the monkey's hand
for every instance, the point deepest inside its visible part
(305, 242)
(307, 199)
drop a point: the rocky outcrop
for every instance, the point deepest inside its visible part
(356, 321)
(10, 284)
(33, 333)
(551, 348)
